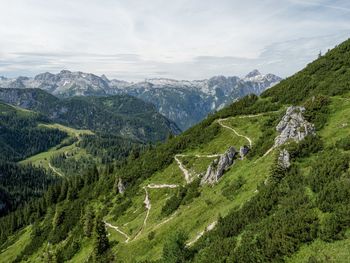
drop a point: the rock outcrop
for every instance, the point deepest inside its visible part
(284, 159)
(293, 126)
(243, 151)
(217, 168)
(121, 186)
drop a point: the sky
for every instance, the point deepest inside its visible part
(181, 39)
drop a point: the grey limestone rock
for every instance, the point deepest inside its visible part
(284, 159)
(121, 186)
(217, 168)
(293, 126)
(243, 151)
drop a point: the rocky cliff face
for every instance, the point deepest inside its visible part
(293, 126)
(217, 168)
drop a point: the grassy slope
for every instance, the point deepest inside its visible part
(209, 205)
(43, 158)
(212, 203)
(17, 244)
(337, 127)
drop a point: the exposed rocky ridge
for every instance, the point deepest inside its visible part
(217, 168)
(293, 126)
(284, 159)
(185, 102)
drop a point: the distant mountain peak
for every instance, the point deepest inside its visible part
(103, 76)
(253, 74)
(64, 71)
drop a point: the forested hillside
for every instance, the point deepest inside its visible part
(20, 135)
(122, 115)
(265, 179)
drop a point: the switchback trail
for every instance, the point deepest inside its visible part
(230, 128)
(118, 230)
(148, 207)
(187, 176)
(183, 168)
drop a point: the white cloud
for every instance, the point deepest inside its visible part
(181, 39)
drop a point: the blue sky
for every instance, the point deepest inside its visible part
(192, 39)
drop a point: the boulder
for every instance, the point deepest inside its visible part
(121, 186)
(217, 168)
(293, 126)
(243, 151)
(284, 159)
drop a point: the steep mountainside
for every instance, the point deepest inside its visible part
(20, 135)
(265, 179)
(119, 114)
(185, 102)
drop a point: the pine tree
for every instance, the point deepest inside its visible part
(88, 222)
(101, 243)
(174, 250)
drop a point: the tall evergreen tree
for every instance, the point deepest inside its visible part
(101, 242)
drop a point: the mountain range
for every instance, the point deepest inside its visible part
(184, 102)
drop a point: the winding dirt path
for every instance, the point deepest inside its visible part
(157, 186)
(148, 206)
(118, 230)
(187, 176)
(200, 234)
(183, 168)
(187, 173)
(230, 128)
(55, 170)
(268, 151)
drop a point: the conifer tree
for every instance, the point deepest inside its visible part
(101, 243)
(88, 222)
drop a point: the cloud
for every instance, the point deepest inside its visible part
(188, 39)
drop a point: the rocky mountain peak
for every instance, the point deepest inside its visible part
(64, 72)
(103, 77)
(253, 74)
